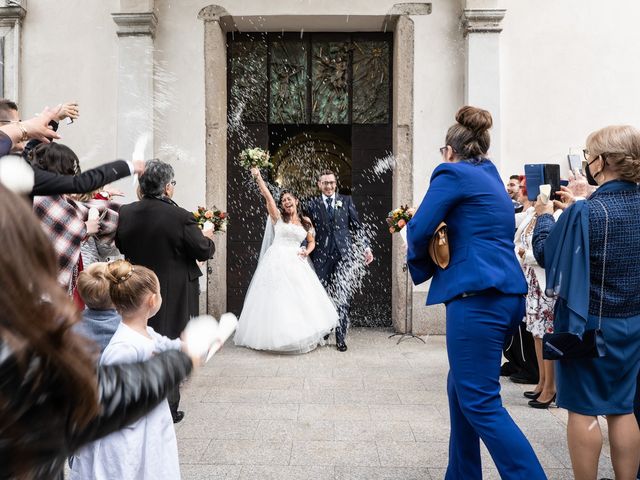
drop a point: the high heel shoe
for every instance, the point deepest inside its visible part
(532, 394)
(541, 405)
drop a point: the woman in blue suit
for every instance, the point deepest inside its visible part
(483, 289)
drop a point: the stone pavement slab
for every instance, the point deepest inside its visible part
(378, 411)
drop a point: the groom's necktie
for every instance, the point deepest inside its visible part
(330, 208)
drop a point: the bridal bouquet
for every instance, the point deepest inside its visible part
(211, 219)
(397, 219)
(255, 157)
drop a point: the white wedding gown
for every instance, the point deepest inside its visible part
(286, 308)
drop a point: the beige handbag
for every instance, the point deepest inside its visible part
(439, 246)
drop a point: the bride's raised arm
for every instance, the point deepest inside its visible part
(272, 208)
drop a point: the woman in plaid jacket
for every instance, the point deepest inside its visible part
(64, 220)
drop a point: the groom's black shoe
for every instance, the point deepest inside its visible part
(177, 416)
(342, 347)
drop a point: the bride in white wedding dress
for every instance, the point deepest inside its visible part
(286, 308)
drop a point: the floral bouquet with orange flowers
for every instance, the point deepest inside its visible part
(255, 157)
(211, 218)
(397, 219)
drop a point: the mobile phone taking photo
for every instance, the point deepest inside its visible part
(575, 163)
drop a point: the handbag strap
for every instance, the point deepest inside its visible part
(604, 258)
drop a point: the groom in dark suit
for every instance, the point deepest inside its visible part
(336, 221)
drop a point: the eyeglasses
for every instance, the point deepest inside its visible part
(328, 183)
(586, 152)
(173, 183)
(10, 121)
(444, 149)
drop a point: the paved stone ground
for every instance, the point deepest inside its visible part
(378, 411)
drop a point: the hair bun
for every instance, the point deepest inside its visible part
(475, 119)
(119, 271)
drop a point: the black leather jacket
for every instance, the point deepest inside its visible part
(35, 415)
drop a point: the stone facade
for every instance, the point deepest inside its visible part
(156, 69)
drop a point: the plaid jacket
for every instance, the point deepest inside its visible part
(62, 220)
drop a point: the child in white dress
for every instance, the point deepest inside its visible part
(146, 449)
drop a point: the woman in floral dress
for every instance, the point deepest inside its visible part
(539, 312)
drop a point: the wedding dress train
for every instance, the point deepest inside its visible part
(286, 308)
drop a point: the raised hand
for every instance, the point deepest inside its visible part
(67, 110)
(542, 207)
(209, 233)
(93, 226)
(566, 198)
(37, 127)
(138, 166)
(579, 185)
(112, 191)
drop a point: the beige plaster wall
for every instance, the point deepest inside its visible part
(69, 52)
(180, 99)
(568, 68)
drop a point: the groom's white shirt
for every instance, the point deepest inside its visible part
(332, 197)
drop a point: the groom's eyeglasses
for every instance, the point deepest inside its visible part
(328, 183)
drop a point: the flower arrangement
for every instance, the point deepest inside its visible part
(208, 218)
(255, 157)
(397, 219)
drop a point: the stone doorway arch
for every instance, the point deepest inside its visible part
(217, 22)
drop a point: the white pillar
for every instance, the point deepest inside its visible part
(482, 86)
(11, 15)
(135, 31)
(403, 58)
(215, 84)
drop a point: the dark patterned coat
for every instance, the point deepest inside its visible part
(159, 235)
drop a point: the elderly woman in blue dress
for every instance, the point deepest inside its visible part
(593, 267)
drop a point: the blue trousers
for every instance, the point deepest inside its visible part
(477, 328)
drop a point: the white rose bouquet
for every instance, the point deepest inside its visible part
(255, 157)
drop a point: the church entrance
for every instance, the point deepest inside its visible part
(315, 101)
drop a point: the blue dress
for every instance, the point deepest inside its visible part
(605, 385)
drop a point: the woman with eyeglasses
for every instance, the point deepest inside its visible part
(593, 268)
(156, 233)
(483, 288)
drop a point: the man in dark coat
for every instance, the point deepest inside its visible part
(336, 222)
(156, 233)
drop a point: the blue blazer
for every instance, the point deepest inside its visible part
(470, 197)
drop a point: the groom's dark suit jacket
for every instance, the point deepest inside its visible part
(335, 234)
